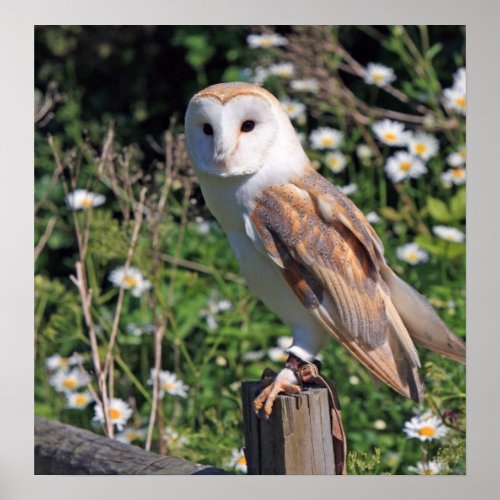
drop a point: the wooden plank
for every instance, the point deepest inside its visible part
(64, 449)
(296, 439)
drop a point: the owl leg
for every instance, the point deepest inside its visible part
(285, 382)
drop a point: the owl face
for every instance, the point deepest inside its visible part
(232, 129)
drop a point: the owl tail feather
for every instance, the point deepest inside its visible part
(424, 325)
(390, 362)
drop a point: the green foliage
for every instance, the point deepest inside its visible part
(134, 79)
(362, 463)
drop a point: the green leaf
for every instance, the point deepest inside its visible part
(390, 214)
(438, 210)
(434, 50)
(427, 244)
(458, 205)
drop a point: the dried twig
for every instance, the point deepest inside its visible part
(43, 110)
(45, 236)
(86, 300)
(135, 233)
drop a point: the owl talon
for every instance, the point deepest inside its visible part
(267, 397)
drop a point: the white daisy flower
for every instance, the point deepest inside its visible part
(378, 74)
(326, 138)
(391, 132)
(423, 145)
(372, 217)
(224, 305)
(284, 342)
(214, 306)
(139, 330)
(129, 434)
(348, 189)
(460, 80)
(252, 356)
(455, 99)
(81, 199)
(412, 254)
(221, 361)
(238, 461)
(173, 439)
(118, 413)
(260, 75)
(58, 362)
(364, 151)
(170, 383)
(131, 279)
(67, 381)
(454, 176)
(211, 322)
(306, 85)
(457, 158)
(425, 427)
(143, 286)
(203, 227)
(266, 41)
(430, 468)
(78, 400)
(284, 70)
(277, 354)
(403, 165)
(294, 109)
(335, 161)
(379, 424)
(448, 233)
(353, 380)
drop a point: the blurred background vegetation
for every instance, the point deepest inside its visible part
(109, 106)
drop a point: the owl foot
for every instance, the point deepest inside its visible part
(284, 382)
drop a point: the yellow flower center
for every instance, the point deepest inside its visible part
(70, 383)
(390, 136)
(131, 436)
(327, 141)
(81, 399)
(412, 256)
(378, 77)
(114, 413)
(87, 202)
(130, 281)
(429, 472)
(427, 431)
(458, 173)
(460, 101)
(241, 460)
(405, 166)
(169, 386)
(420, 149)
(463, 153)
(64, 362)
(266, 42)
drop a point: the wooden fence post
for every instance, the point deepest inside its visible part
(297, 437)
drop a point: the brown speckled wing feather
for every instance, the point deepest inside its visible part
(331, 258)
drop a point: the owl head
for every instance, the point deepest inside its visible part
(235, 129)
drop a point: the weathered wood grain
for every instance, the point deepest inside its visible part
(296, 439)
(64, 449)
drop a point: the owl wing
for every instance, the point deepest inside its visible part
(331, 258)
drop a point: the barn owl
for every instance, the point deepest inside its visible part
(304, 248)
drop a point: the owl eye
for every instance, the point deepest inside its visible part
(247, 126)
(207, 129)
